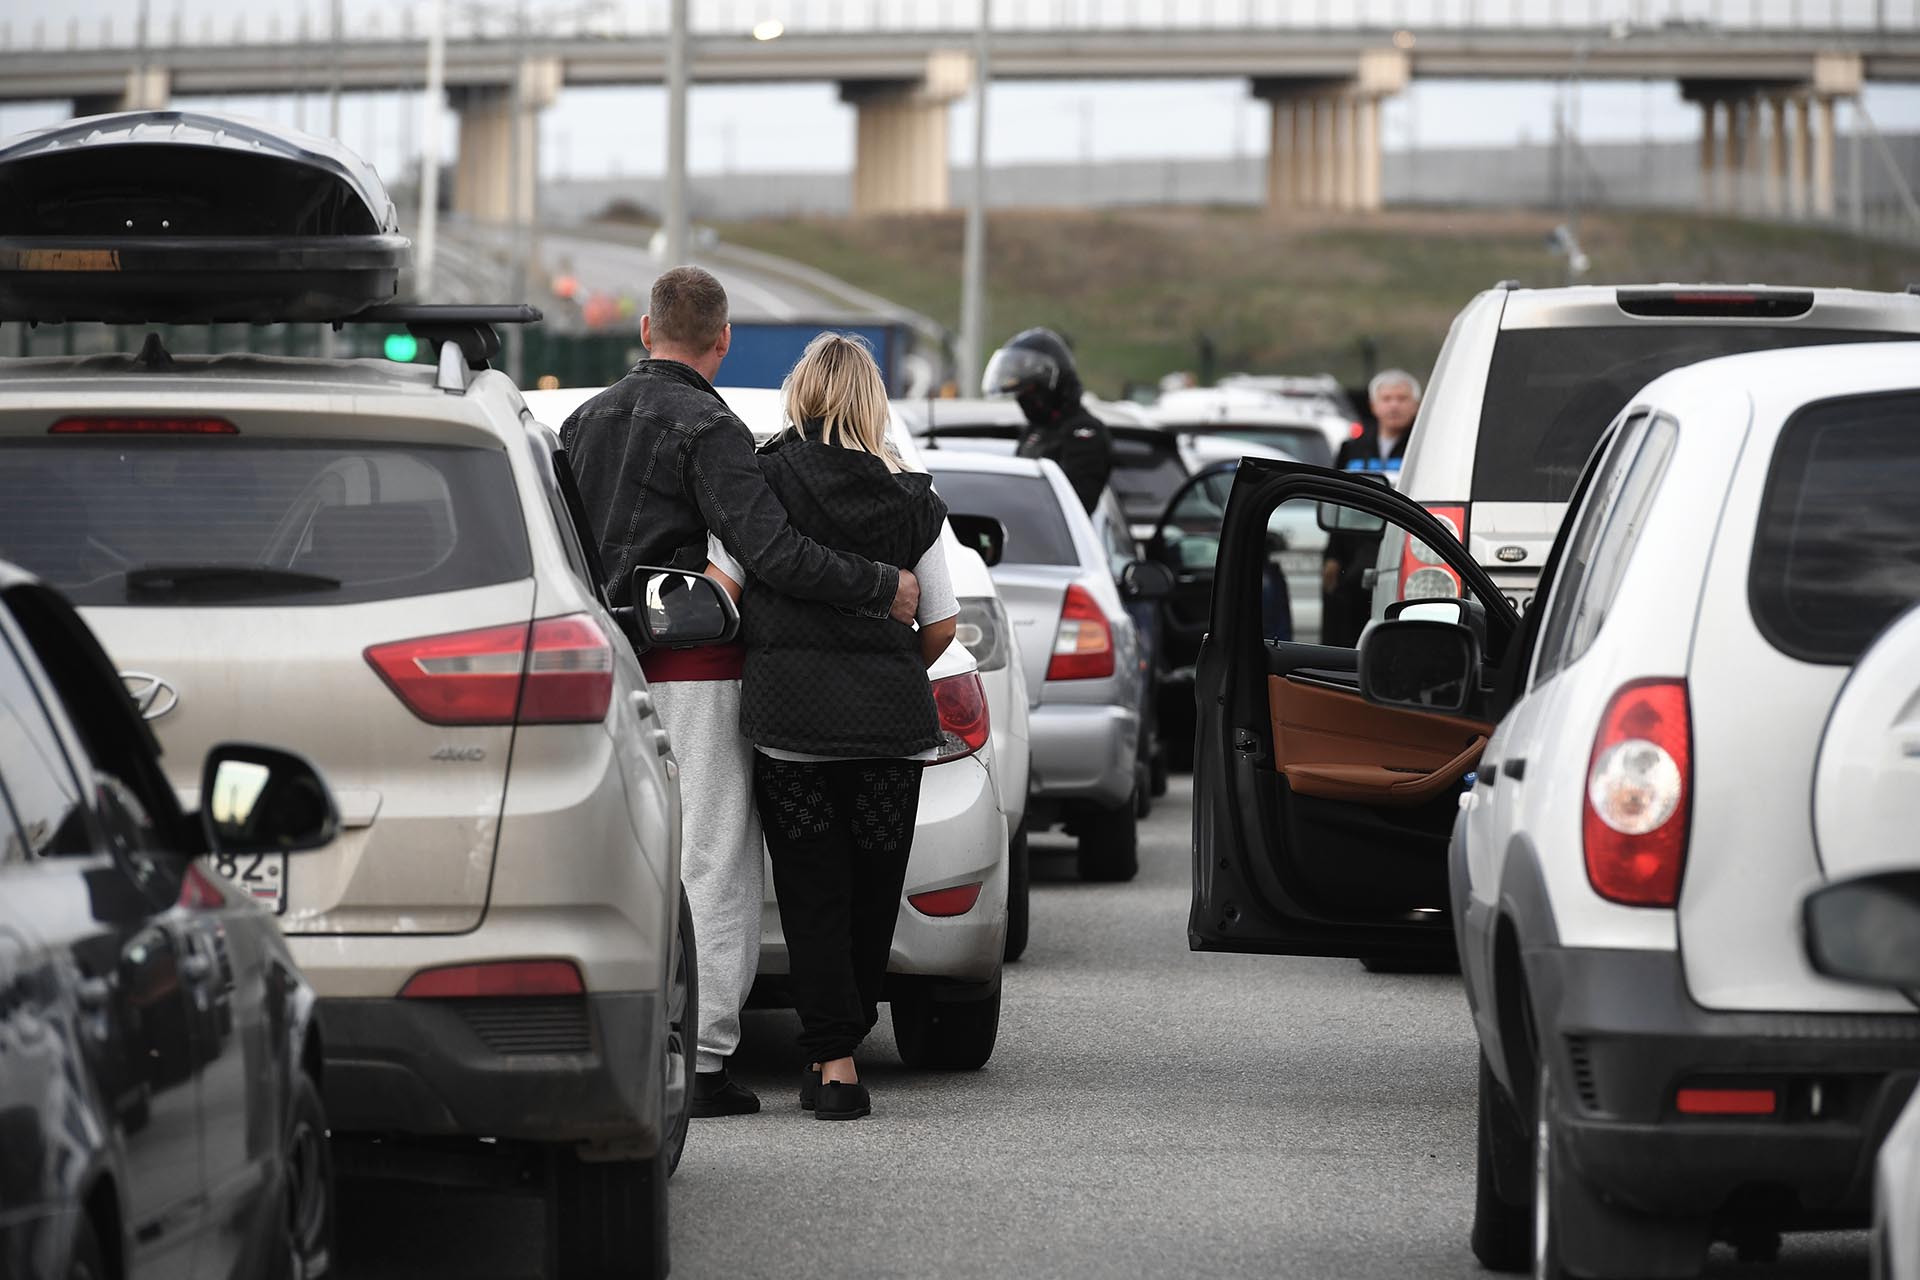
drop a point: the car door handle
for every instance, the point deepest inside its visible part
(642, 703)
(1514, 769)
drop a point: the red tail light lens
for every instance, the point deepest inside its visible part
(1083, 646)
(498, 978)
(962, 704)
(956, 901)
(468, 677)
(1424, 575)
(1639, 777)
(475, 677)
(1355, 430)
(570, 673)
(143, 427)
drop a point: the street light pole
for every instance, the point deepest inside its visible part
(973, 267)
(674, 214)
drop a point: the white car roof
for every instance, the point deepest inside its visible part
(944, 459)
(1784, 379)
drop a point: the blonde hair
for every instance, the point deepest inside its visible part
(837, 383)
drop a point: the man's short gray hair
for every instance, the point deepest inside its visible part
(1391, 377)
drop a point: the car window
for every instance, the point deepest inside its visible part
(1308, 444)
(1588, 523)
(1145, 474)
(384, 520)
(1115, 538)
(1552, 392)
(1621, 534)
(1025, 506)
(39, 780)
(1836, 556)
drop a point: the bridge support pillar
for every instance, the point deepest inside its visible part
(900, 160)
(1768, 147)
(493, 180)
(148, 89)
(1324, 142)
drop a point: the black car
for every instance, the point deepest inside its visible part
(160, 1110)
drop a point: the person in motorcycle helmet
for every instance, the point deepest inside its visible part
(1036, 369)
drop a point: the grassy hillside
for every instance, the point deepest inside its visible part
(1137, 290)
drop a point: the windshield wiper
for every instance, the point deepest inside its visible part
(220, 581)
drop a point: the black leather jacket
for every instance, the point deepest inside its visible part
(660, 460)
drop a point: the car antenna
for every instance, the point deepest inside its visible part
(153, 353)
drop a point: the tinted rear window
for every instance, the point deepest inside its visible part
(386, 520)
(1036, 530)
(1145, 475)
(1836, 556)
(1551, 392)
(1308, 444)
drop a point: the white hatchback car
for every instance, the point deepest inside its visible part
(1631, 842)
(952, 935)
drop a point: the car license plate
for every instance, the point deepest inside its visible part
(262, 876)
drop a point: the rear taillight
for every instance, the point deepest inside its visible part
(485, 676)
(1424, 575)
(1634, 826)
(496, 978)
(982, 628)
(143, 426)
(956, 901)
(962, 704)
(1083, 646)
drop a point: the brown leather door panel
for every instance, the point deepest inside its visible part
(1338, 746)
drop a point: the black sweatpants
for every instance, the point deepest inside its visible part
(838, 834)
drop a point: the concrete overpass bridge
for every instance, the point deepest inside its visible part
(1766, 74)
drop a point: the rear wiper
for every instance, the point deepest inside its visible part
(220, 581)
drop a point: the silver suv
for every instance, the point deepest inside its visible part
(1529, 378)
(379, 565)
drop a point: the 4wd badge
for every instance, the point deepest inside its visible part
(1511, 554)
(467, 755)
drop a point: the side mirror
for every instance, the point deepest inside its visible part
(1421, 666)
(263, 800)
(1146, 580)
(980, 533)
(1867, 929)
(678, 609)
(1458, 610)
(1335, 517)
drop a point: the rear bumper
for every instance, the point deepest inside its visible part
(1621, 1035)
(959, 837)
(1083, 752)
(552, 1069)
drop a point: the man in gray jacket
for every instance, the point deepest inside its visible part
(660, 461)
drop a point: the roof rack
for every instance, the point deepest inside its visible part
(468, 327)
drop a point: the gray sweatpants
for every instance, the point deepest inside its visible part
(721, 854)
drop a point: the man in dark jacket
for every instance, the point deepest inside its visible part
(660, 461)
(1036, 369)
(1346, 600)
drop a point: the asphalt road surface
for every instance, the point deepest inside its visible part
(1148, 1112)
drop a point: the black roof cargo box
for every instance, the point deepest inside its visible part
(186, 217)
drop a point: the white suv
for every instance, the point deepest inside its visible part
(1528, 379)
(1632, 841)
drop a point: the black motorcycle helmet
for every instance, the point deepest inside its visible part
(1036, 368)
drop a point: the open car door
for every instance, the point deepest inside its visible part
(1321, 820)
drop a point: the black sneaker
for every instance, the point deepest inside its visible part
(716, 1095)
(809, 1088)
(839, 1101)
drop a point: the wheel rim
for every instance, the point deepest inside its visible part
(1542, 1178)
(306, 1198)
(679, 1035)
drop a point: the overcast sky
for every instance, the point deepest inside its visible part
(598, 132)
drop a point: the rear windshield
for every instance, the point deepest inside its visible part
(1145, 475)
(1551, 392)
(1836, 556)
(380, 520)
(1307, 444)
(1036, 530)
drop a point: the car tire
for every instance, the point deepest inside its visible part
(938, 1032)
(85, 1259)
(307, 1184)
(1502, 1237)
(1158, 773)
(1142, 789)
(680, 1042)
(606, 1218)
(1019, 894)
(1109, 843)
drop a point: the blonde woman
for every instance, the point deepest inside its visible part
(838, 707)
